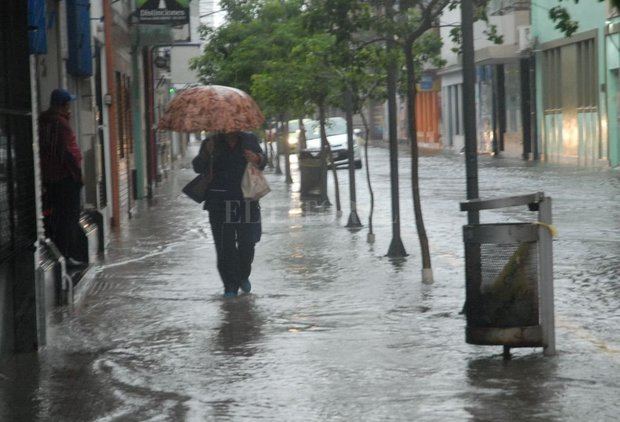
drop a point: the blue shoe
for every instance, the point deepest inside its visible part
(230, 294)
(246, 286)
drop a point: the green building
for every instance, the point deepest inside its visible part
(577, 80)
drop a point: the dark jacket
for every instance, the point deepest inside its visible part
(59, 152)
(228, 165)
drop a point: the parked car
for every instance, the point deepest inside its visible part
(336, 128)
(293, 134)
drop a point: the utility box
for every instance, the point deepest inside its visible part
(509, 276)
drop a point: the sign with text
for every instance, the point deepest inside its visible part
(163, 12)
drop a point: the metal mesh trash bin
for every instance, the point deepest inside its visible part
(313, 177)
(509, 277)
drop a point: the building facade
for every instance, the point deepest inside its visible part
(502, 81)
(100, 52)
(577, 85)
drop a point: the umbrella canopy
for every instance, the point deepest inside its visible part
(211, 108)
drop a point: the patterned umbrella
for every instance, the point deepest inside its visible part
(211, 108)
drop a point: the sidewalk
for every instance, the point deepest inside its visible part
(333, 330)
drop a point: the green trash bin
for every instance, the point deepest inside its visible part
(313, 177)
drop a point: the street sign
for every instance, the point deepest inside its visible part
(427, 83)
(163, 12)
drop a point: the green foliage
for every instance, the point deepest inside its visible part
(252, 52)
(295, 54)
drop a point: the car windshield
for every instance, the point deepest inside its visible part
(333, 126)
(293, 125)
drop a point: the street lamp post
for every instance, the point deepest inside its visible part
(354, 220)
(469, 106)
(396, 249)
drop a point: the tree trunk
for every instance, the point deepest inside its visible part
(267, 151)
(354, 220)
(279, 149)
(427, 272)
(335, 174)
(326, 149)
(301, 143)
(371, 235)
(324, 198)
(271, 155)
(287, 153)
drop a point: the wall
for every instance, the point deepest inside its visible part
(495, 64)
(507, 25)
(180, 73)
(579, 137)
(590, 14)
(448, 19)
(613, 88)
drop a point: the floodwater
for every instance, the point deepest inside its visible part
(333, 330)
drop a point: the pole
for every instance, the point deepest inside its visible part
(396, 249)
(545, 256)
(109, 56)
(354, 220)
(469, 106)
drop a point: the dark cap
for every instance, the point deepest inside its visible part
(61, 97)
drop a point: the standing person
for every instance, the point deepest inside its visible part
(61, 172)
(235, 221)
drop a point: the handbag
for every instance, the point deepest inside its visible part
(198, 187)
(254, 185)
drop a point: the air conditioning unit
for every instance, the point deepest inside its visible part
(525, 37)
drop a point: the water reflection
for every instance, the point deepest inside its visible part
(520, 389)
(398, 263)
(241, 326)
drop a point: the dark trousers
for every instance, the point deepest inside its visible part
(236, 229)
(62, 199)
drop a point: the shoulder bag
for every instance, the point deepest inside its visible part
(199, 186)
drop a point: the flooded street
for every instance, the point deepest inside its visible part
(333, 330)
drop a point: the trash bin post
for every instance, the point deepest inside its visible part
(545, 252)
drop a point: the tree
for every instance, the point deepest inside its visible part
(419, 46)
(313, 59)
(342, 19)
(367, 78)
(256, 40)
(276, 86)
(231, 53)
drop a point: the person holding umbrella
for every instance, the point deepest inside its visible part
(229, 114)
(235, 221)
